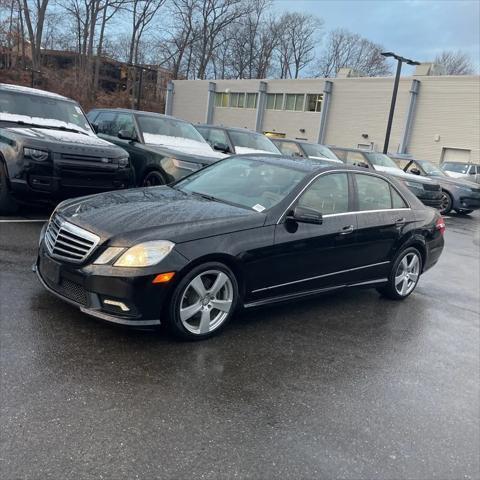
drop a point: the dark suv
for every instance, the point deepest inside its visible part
(162, 148)
(48, 151)
(426, 190)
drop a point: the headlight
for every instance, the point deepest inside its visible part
(413, 184)
(35, 154)
(108, 255)
(186, 165)
(123, 161)
(145, 254)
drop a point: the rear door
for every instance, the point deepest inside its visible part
(383, 217)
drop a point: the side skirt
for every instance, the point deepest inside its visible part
(312, 293)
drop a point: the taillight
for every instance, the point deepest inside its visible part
(440, 225)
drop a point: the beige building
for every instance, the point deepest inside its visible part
(436, 118)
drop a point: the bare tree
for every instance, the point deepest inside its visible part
(346, 49)
(455, 63)
(297, 42)
(34, 16)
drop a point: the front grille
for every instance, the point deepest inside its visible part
(85, 158)
(432, 188)
(69, 242)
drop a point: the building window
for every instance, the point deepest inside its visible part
(221, 99)
(314, 102)
(237, 100)
(275, 101)
(294, 101)
(251, 100)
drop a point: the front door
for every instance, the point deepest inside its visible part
(312, 257)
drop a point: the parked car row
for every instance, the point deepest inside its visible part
(50, 150)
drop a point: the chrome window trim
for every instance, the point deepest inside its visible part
(320, 276)
(282, 216)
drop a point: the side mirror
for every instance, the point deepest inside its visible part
(126, 135)
(306, 215)
(221, 147)
(415, 171)
(95, 127)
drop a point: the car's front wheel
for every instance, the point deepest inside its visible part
(404, 275)
(203, 301)
(8, 205)
(446, 203)
(153, 179)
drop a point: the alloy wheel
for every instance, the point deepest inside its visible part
(153, 179)
(206, 302)
(446, 203)
(406, 276)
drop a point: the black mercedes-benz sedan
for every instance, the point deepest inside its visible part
(244, 232)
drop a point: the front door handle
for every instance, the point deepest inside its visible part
(347, 230)
(400, 221)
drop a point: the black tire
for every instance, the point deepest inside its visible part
(8, 205)
(447, 203)
(464, 212)
(185, 297)
(153, 179)
(390, 290)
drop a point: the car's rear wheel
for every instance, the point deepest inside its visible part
(404, 275)
(153, 179)
(8, 205)
(446, 203)
(464, 212)
(203, 301)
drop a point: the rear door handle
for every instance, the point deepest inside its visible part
(400, 221)
(347, 230)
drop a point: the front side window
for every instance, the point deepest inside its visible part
(314, 102)
(294, 101)
(274, 101)
(244, 182)
(251, 142)
(375, 193)
(106, 123)
(290, 149)
(355, 158)
(328, 194)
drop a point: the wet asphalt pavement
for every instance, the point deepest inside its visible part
(347, 386)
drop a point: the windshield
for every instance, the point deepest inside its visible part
(318, 151)
(381, 160)
(42, 110)
(252, 141)
(430, 168)
(243, 182)
(167, 131)
(456, 167)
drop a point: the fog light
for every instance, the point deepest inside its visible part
(115, 303)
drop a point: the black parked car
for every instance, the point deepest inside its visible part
(236, 140)
(425, 189)
(247, 231)
(48, 150)
(162, 148)
(457, 193)
(302, 149)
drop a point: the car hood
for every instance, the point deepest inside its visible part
(64, 142)
(397, 172)
(458, 182)
(127, 217)
(185, 146)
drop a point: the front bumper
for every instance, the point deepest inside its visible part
(470, 202)
(136, 301)
(430, 198)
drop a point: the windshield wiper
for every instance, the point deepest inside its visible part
(50, 127)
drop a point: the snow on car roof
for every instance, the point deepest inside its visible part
(31, 91)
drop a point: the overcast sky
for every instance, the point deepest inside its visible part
(417, 29)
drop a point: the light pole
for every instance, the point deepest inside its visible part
(399, 60)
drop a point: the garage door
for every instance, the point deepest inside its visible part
(456, 155)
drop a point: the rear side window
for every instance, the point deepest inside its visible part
(106, 123)
(375, 193)
(356, 159)
(214, 135)
(290, 149)
(328, 194)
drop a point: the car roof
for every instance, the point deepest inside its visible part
(302, 164)
(32, 91)
(229, 129)
(142, 112)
